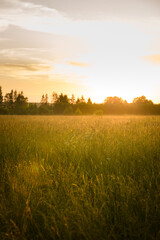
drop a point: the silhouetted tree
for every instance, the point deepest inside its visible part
(20, 98)
(44, 99)
(113, 100)
(141, 105)
(44, 107)
(15, 95)
(1, 95)
(32, 109)
(142, 100)
(9, 98)
(54, 97)
(16, 103)
(2, 109)
(72, 100)
(77, 101)
(20, 103)
(114, 105)
(89, 101)
(62, 98)
(82, 100)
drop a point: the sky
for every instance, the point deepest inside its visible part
(95, 48)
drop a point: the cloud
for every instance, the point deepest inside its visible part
(25, 67)
(17, 37)
(82, 10)
(22, 46)
(155, 59)
(79, 64)
(3, 25)
(31, 16)
(7, 4)
(103, 9)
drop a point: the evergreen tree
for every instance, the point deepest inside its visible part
(89, 101)
(44, 99)
(78, 101)
(9, 98)
(1, 95)
(15, 95)
(63, 98)
(54, 97)
(20, 99)
(82, 100)
(72, 101)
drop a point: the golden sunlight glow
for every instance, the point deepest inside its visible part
(155, 59)
(45, 49)
(79, 64)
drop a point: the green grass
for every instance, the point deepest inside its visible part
(79, 177)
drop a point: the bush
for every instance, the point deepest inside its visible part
(78, 112)
(68, 110)
(98, 112)
(4, 110)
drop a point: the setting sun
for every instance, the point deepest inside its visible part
(92, 50)
(79, 119)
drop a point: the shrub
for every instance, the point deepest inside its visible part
(78, 112)
(98, 112)
(68, 110)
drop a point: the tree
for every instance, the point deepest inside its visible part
(44, 99)
(1, 95)
(20, 103)
(15, 95)
(45, 108)
(82, 100)
(32, 108)
(142, 100)
(113, 100)
(77, 101)
(89, 101)
(9, 98)
(72, 100)
(62, 98)
(54, 97)
(68, 110)
(20, 98)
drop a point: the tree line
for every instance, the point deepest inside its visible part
(16, 103)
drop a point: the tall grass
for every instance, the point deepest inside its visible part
(79, 177)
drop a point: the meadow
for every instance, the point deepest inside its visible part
(81, 177)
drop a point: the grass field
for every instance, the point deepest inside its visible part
(79, 177)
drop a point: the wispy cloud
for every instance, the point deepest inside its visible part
(79, 64)
(102, 9)
(25, 67)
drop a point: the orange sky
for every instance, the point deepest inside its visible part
(97, 48)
